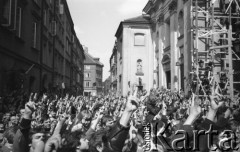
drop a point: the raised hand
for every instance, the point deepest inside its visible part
(35, 97)
(195, 109)
(131, 106)
(31, 97)
(29, 109)
(215, 99)
(55, 142)
(132, 102)
(44, 97)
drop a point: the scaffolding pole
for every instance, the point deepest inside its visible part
(211, 28)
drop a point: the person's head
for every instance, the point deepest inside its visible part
(17, 119)
(70, 142)
(13, 120)
(22, 112)
(36, 135)
(98, 108)
(8, 135)
(85, 118)
(107, 121)
(7, 116)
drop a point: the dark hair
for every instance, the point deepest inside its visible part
(72, 141)
(96, 108)
(36, 130)
(105, 119)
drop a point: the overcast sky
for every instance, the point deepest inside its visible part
(96, 22)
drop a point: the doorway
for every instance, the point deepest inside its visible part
(168, 79)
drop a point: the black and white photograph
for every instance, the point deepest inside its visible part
(119, 75)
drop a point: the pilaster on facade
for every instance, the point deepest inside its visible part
(174, 53)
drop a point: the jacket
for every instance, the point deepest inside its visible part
(21, 138)
(117, 137)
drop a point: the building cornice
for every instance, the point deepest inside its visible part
(160, 19)
(152, 6)
(172, 7)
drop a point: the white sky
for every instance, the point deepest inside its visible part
(96, 22)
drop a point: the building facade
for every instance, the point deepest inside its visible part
(114, 67)
(93, 70)
(107, 86)
(39, 47)
(132, 56)
(171, 24)
(184, 38)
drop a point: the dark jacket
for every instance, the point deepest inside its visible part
(117, 137)
(152, 109)
(21, 139)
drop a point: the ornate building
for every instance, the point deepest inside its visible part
(171, 34)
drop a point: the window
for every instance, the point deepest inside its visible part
(53, 28)
(19, 22)
(87, 84)
(87, 75)
(45, 17)
(139, 39)
(8, 11)
(34, 38)
(87, 67)
(167, 35)
(180, 23)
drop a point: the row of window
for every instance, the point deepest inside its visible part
(87, 67)
(88, 75)
(11, 15)
(88, 84)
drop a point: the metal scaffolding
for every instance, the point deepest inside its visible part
(215, 47)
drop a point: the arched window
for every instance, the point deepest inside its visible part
(139, 66)
(139, 39)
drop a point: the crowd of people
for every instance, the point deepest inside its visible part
(52, 123)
